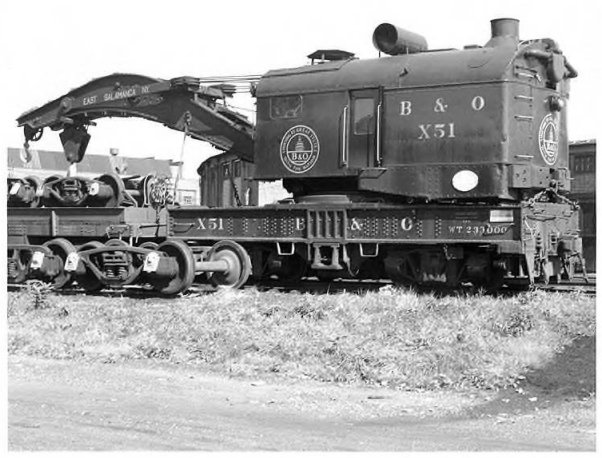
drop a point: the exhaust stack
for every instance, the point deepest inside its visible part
(503, 30)
(394, 40)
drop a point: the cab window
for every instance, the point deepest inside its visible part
(363, 116)
(286, 107)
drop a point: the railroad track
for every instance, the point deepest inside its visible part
(586, 285)
(319, 287)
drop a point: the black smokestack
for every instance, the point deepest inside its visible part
(503, 30)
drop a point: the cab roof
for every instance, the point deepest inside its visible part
(430, 68)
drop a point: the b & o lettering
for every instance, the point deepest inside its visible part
(478, 103)
(407, 224)
(440, 106)
(355, 225)
(406, 108)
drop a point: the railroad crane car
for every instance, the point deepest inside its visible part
(426, 167)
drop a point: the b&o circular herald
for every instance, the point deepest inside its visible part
(548, 139)
(299, 149)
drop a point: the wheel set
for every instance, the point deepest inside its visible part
(106, 191)
(169, 268)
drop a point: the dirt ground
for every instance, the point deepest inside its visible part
(143, 405)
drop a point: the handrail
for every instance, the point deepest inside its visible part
(344, 154)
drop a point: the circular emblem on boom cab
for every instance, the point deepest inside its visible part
(299, 149)
(548, 140)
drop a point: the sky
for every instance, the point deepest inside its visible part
(50, 47)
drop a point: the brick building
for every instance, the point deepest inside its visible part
(582, 162)
(43, 163)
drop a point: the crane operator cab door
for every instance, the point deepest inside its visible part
(364, 129)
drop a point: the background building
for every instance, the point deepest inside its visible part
(582, 162)
(43, 164)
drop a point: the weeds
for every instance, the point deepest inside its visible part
(38, 293)
(516, 322)
(394, 338)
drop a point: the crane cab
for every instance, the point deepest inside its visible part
(483, 122)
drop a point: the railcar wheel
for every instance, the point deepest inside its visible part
(238, 261)
(36, 183)
(18, 266)
(294, 269)
(49, 198)
(401, 270)
(51, 179)
(520, 286)
(289, 269)
(116, 242)
(492, 283)
(88, 281)
(185, 260)
(149, 245)
(117, 186)
(328, 276)
(61, 248)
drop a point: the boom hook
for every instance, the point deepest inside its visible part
(31, 134)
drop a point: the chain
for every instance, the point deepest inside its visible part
(234, 188)
(551, 194)
(187, 120)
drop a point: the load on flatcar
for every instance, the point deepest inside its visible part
(427, 167)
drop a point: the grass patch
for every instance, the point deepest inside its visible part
(390, 338)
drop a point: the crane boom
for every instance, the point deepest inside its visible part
(180, 103)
